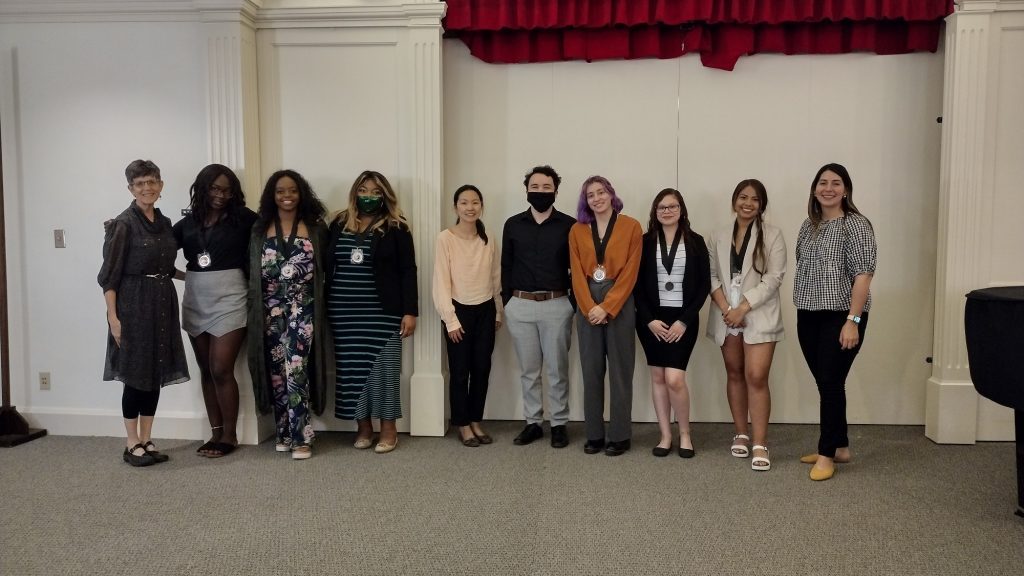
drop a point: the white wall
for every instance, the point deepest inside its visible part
(78, 102)
(650, 124)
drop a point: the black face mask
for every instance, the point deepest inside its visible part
(540, 201)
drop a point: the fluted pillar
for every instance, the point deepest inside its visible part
(423, 66)
(966, 236)
(232, 112)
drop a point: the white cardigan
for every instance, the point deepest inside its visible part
(764, 321)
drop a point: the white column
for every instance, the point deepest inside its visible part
(966, 202)
(233, 138)
(422, 52)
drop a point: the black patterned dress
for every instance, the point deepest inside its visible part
(138, 264)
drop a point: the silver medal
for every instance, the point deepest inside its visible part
(204, 260)
(357, 256)
(287, 271)
(599, 274)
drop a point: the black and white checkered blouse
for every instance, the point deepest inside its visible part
(829, 260)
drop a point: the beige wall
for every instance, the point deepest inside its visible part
(650, 124)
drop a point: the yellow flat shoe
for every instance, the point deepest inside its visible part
(818, 474)
(812, 458)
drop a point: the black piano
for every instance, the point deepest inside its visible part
(994, 324)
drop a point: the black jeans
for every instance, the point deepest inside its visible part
(469, 362)
(818, 332)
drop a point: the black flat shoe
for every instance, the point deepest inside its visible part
(686, 452)
(138, 461)
(593, 446)
(529, 434)
(661, 452)
(154, 453)
(484, 438)
(617, 448)
(471, 442)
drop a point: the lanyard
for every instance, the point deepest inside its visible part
(285, 247)
(361, 236)
(599, 243)
(669, 258)
(736, 260)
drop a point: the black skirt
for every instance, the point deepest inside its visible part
(665, 354)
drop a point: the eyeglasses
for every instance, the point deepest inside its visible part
(141, 184)
(221, 191)
(668, 209)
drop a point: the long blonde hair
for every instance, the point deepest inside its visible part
(393, 215)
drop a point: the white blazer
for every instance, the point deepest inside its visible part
(764, 321)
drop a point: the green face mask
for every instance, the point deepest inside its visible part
(369, 204)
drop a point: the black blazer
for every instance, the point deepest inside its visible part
(696, 282)
(394, 267)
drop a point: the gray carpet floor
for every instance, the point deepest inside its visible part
(68, 505)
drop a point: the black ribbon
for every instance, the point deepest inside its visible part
(285, 247)
(361, 236)
(601, 243)
(669, 258)
(736, 260)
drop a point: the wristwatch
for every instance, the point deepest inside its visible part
(856, 319)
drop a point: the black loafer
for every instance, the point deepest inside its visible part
(661, 452)
(617, 448)
(593, 446)
(529, 434)
(559, 437)
(154, 453)
(137, 461)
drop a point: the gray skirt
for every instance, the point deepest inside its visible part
(214, 302)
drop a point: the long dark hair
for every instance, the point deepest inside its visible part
(199, 194)
(479, 223)
(762, 196)
(684, 215)
(814, 207)
(310, 210)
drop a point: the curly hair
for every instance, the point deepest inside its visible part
(310, 210)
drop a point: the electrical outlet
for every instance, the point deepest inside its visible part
(44, 380)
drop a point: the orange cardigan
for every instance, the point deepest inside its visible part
(621, 263)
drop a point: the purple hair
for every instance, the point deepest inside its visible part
(583, 212)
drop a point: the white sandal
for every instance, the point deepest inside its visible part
(761, 463)
(738, 449)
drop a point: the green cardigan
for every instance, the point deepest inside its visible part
(321, 360)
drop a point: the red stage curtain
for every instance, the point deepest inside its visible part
(511, 31)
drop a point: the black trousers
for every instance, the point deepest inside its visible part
(469, 362)
(818, 332)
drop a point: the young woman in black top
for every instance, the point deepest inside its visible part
(214, 237)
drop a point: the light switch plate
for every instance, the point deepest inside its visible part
(58, 239)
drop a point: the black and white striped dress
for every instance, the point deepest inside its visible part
(367, 346)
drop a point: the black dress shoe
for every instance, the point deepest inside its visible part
(144, 460)
(559, 437)
(686, 452)
(617, 448)
(593, 446)
(529, 434)
(661, 452)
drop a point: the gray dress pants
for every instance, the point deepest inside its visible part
(540, 332)
(615, 341)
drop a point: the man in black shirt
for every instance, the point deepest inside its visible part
(535, 289)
